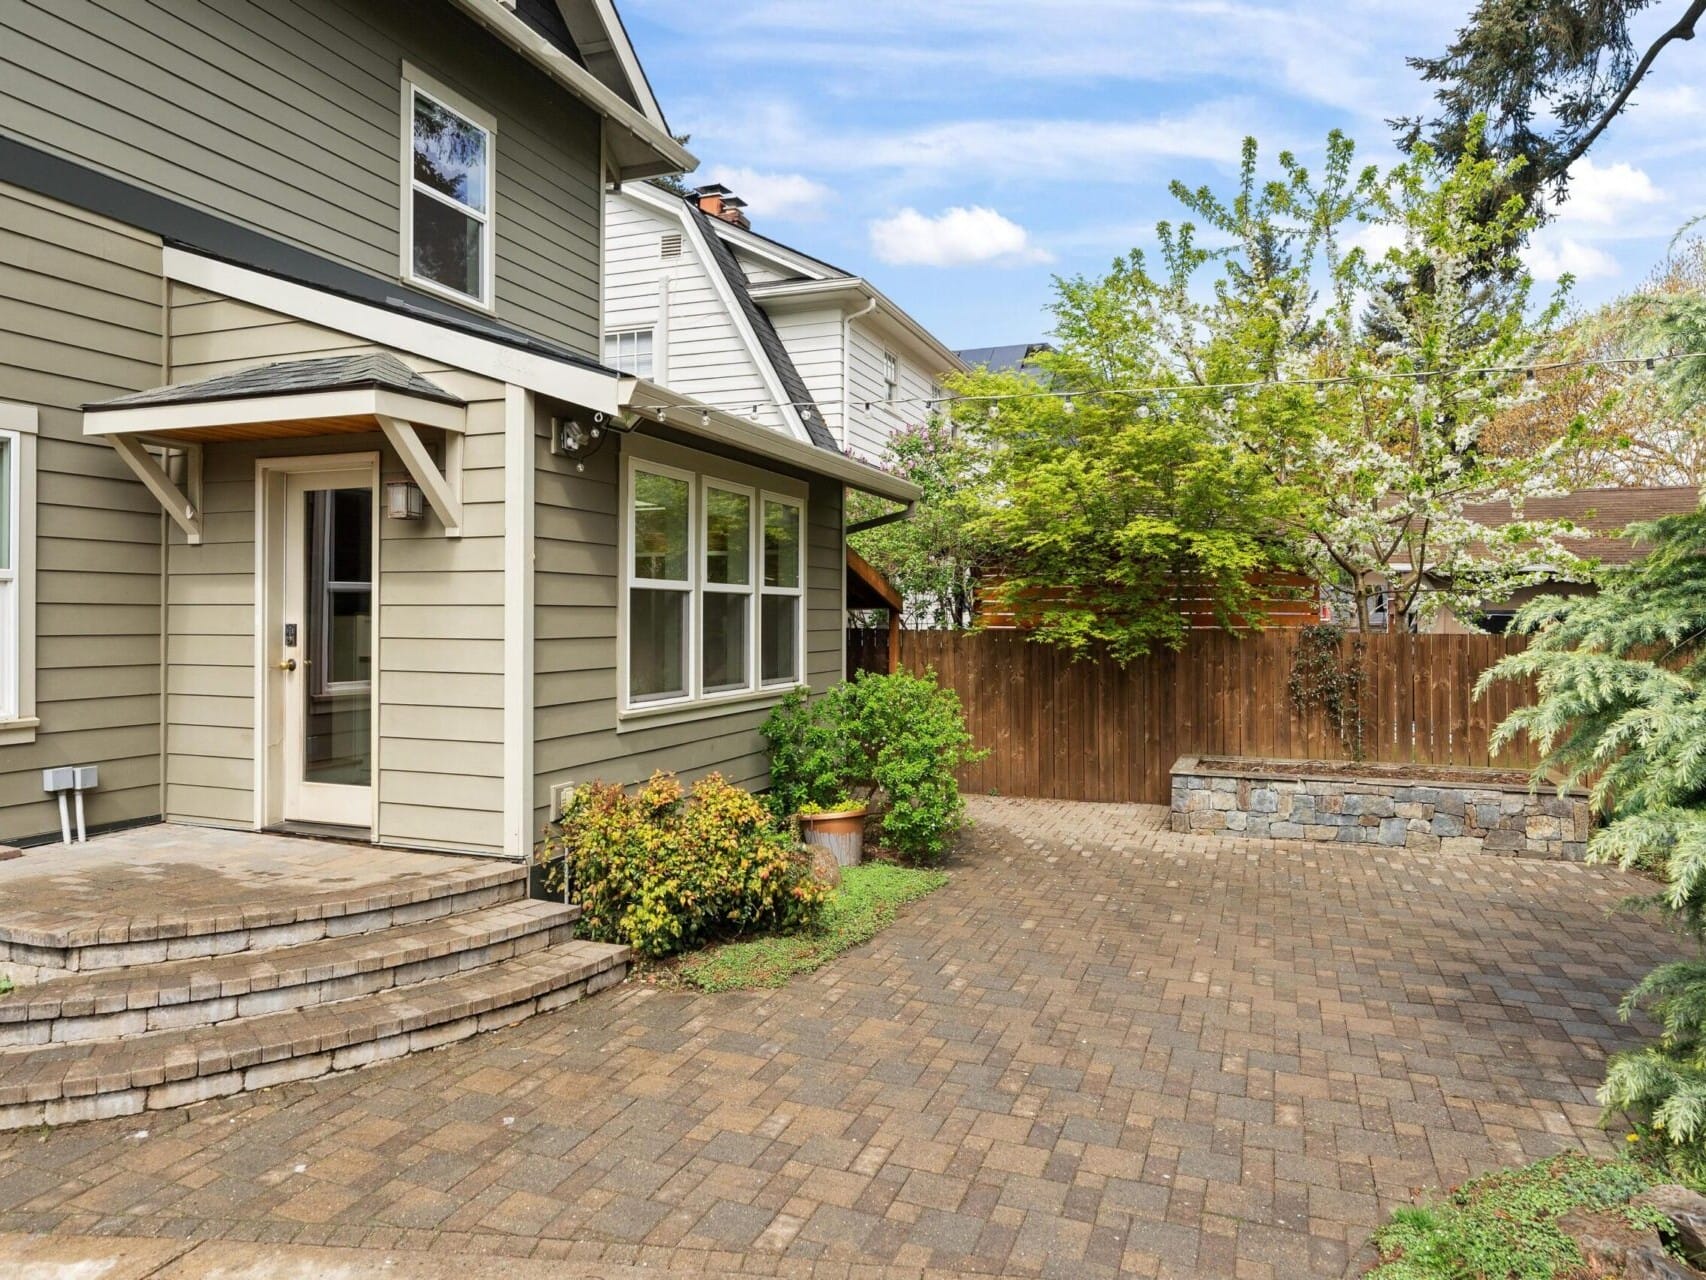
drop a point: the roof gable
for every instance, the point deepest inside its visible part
(583, 45)
(600, 44)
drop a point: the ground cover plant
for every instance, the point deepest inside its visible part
(664, 870)
(1503, 1226)
(867, 902)
(899, 736)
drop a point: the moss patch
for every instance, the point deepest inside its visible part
(867, 902)
(1504, 1224)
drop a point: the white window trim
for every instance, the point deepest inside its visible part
(704, 471)
(417, 81)
(798, 591)
(19, 425)
(891, 380)
(747, 590)
(686, 586)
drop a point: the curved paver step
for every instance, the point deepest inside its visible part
(46, 941)
(60, 1083)
(207, 990)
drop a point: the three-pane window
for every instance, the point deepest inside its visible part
(448, 220)
(715, 587)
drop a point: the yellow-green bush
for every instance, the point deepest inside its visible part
(662, 870)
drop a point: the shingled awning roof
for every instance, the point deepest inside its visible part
(375, 369)
(368, 392)
(329, 395)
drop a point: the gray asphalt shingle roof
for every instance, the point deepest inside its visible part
(375, 369)
(793, 386)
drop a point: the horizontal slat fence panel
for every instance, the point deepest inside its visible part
(1092, 730)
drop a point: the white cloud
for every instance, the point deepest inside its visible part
(1553, 256)
(787, 196)
(1602, 195)
(1376, 238)
(956, 237)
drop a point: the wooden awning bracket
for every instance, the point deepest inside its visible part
(184, 513)
(443, 492)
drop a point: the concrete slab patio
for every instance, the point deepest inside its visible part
(1103, 1049)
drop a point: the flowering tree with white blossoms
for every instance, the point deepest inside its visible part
(1352, 343)
(1430, 353)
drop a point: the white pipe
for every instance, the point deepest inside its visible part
(82, 831)
(64, 820)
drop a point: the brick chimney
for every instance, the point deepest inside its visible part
(718, 201)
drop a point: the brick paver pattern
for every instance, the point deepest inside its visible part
(1103, 1049)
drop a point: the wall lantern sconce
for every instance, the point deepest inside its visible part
(404, 500)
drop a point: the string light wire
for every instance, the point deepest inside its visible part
(1227, 390)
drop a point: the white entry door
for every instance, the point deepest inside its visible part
(323, 643)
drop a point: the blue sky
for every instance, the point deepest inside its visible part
(961, 153)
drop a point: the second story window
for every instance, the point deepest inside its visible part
(891, 378)
(447, 193)
(629, 351)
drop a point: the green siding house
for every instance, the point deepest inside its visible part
(318, 510)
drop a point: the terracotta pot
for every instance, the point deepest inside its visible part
(841, 832)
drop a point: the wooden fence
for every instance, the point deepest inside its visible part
(1090, 730)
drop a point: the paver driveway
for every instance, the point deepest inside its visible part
(1104, 1048)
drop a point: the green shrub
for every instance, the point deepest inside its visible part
(900, 734)
(662, 872)
(1504, 1224)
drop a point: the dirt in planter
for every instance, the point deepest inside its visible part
(1403, 775)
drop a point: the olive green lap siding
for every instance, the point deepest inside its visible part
(575, 605)
(80, 320)
(441, 640)
(285, 116)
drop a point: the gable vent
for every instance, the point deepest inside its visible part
(670, 245)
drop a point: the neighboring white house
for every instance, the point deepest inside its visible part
(697, 301)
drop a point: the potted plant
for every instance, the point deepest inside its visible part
(838, 827)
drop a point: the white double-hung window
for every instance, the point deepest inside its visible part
(714, 603)
(447, 242)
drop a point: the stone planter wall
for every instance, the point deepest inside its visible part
(1457, 817)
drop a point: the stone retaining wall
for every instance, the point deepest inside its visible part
(1494, 818)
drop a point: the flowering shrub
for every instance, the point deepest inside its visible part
(663, 871)
(901, 734)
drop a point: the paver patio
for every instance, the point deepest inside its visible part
(1103, 1049)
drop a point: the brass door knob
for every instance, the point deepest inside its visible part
(289, 664)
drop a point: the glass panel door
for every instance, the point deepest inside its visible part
(338, 693)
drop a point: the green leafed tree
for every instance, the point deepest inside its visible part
(933, 558)
(1103, 524)
(1365, 279)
